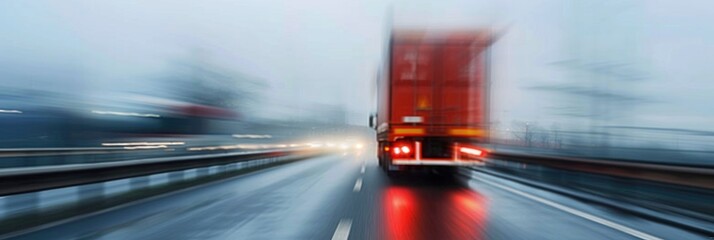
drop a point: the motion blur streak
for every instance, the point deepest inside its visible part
(127, 114)
(142, 143)
(285, 119)
(10, 111)
(411, 213)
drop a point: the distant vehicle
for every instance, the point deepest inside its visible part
(433, 100)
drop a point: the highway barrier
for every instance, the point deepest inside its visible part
(32, 191)
(674, 194)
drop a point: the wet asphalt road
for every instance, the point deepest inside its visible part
(347, 196)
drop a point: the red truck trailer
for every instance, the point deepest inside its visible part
(432, 100)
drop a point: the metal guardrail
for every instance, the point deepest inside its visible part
(33, 179)
(33, 196)
(686, 175)
(677, 195)
(37, 157)
(36, 152)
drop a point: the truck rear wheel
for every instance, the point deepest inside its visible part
(386, 165)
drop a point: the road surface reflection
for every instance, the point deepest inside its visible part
(433, 210)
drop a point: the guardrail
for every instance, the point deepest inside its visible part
(32, 151)
(32, 196)
(34, 157)
(686, 175)
(678, 195)
(32, 179)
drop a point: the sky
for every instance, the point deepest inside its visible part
(327, 52)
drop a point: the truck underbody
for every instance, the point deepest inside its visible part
(430, 153)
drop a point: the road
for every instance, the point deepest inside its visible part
(348, 197)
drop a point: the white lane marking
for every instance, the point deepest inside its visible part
(358, 185)
(630, 231)
(362, 170)
(342, 232)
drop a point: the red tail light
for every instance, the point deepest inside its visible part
(473, 151)
(402, 150)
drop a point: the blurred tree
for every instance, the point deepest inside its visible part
(523, 132)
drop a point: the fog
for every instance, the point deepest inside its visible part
(384, 119)
(580, 66)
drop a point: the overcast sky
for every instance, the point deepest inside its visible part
(329, 51)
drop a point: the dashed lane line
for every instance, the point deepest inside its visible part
(342, 232)
(358, 185)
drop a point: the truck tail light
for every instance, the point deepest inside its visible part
(402, 150)
(473, 151)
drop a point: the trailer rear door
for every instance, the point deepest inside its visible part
(437, 84)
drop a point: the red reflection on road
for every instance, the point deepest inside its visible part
(401, 215)
(434, 213)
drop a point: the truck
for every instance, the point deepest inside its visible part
(432, 100)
